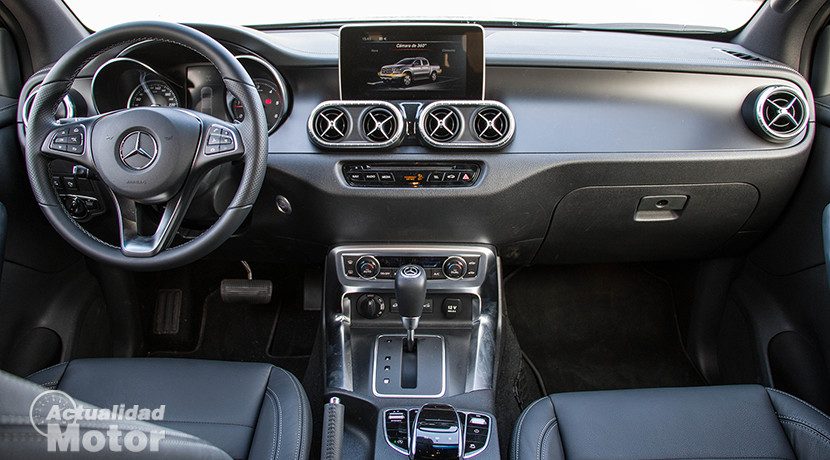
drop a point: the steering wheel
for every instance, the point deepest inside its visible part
(147, 155)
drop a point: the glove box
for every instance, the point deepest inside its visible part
(648, 222)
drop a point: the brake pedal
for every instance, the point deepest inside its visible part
(249, 291)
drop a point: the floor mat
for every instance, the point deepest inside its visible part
(598, 327)
(280, 333)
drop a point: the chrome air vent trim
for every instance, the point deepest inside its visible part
(443, 124)
(491, 124)
(354, 137)
(379, 125)
(331, 124)
(777, 113)
(469, 136)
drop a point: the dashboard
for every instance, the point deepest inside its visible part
(555, 146)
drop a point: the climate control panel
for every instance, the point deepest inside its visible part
(385, 267)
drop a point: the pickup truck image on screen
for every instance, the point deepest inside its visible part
(408, 70)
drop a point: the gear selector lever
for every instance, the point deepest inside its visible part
(411, 292)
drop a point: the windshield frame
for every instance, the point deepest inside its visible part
(640, 27)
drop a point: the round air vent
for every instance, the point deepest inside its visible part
(777, 113)
(443, 124)
(331, 124)
(491, 124)
(379, 125)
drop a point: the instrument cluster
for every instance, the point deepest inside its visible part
(144, 77)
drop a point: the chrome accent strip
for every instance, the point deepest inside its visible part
(413, 396)
(511, 130)
(283, 86)
(484, 337)
(112, 61)
(339, 368)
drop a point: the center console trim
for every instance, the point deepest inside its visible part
(414, 396)
(485, 323)
(466, 413)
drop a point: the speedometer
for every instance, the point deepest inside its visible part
(273, 101)
(153, 93)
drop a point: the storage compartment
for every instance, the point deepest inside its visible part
(649, 222)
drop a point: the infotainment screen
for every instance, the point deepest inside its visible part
(411, 62)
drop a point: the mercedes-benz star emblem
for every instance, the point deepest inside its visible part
(138, 150)
(411, 271)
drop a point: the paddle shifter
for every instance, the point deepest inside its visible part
(411, 292)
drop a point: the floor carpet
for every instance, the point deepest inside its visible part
(598, 327)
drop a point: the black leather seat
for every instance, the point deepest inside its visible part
(741, 421)
(213, 409)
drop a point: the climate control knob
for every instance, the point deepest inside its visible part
(370, 306)
(367, 267)
(455, 267)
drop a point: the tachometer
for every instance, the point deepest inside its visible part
(273, 101)
(153, 93)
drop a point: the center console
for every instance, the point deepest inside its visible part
(412, 332)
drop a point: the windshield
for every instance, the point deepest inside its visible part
(690, 15)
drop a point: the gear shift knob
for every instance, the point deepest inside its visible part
(411, 292)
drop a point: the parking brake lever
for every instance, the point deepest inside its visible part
(333, 415)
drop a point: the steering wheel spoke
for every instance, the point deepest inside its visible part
(133, 222)
(70, 141)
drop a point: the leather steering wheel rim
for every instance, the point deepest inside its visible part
(251, 133)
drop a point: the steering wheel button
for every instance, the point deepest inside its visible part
(58, 147)
(74, 139)
(61, 140)
(211, 149)
(62, 132)
(75, 148)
